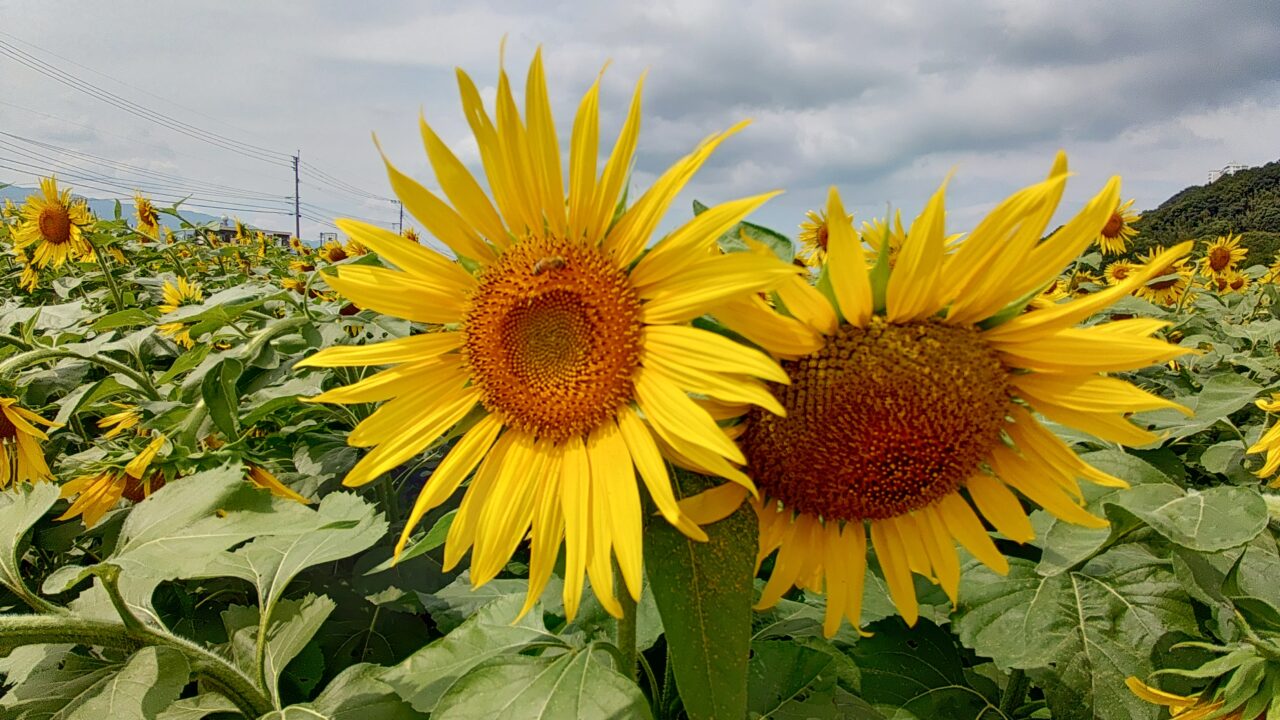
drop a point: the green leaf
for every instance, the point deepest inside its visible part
(451, 605)
(433, 539)
(221, 397)
(293, 624)
(1220, 396)
(20, 508)
(518, 687)
(198, 708)
(186, 361)
(918, 670)
(1091, 628)
(799, 679)
(704, 593)
(1207, 521)
(129, 317)
(356, 693)
(424, 677)
(82, 689)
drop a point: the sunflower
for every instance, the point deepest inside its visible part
(301, 266)
(411, 235)
(295, 284)
(55, 224)
(242, 233)
(1230, 281)
(333, 252)
(1115, 235)
(21, 457)
(1222, 255)
(1119, 271)
(918, 414)
(354, 248)
(181, 294)
(99, 492)
(566, 356)
(168, 236)
(813, 239)
(1181, 707)
(9, 210)
(1172, 278)
(1269, 443)
(120, 422)
(148, 218)
(264, 478)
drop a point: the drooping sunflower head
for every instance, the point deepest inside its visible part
(120, 422)
(1116, 233)
(242, 233)
(96, 493)
(333, 251)
(148, 218)
(1222, 255)
(1171, 278)
(301, 266)
(565, 358)
(21, 456)
(921, 411)
(295, 284)
(54, 225)
(180, 292)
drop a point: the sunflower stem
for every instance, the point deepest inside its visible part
(1015, 691)
(99, 254)
(31, 357)
(626, 635)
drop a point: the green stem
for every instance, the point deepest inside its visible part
(626, 636)
(19, 630)
(15, 341)
(31, 357)
(1015, 692)
(99, 254)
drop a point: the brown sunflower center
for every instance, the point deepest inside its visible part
(1114, 225)
(553, 338)
(881, 421)
(55, 224)
(1219, 258)
(7, 429)
(821, 236)
(1120, 272)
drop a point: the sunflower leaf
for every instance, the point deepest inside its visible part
(20, 508)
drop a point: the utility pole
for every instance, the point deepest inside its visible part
(297, 208)
(400, 225)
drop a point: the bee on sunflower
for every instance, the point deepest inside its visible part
(566, 357)
(920, 411)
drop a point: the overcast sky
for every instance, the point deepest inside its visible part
(880, 98)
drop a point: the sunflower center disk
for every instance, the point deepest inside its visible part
(553, 338)
(1219, 258)
(55, 225)
(1114, 225)
(881, 421)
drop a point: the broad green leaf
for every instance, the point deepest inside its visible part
(20, 508)
(1208, 521)
(918, 670)
(221, 397)
(186, 361)
(293, 624)
(433, 539)
(1220, 396)
(197, 708)
(139, 689)
(56, 680)
(704, 593)
(799, 679)
(124, 318)
(356, 693)
(1094, 626)
(518, 687)
(425, 676)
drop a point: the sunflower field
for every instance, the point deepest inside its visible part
(550, 463)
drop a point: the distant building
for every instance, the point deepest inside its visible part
(328, 236)
(226, 232)
(1228, 169)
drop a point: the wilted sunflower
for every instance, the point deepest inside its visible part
(21, 457)
(918, 414)
(120, 422)
(1171, 278)
(99, 492)
(565, 358)
(181, 294)
(54, 224)
(1181, 707)
(1115, 235)
(148, 218)
(1222, 255)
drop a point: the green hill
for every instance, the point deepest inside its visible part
(1247, 203)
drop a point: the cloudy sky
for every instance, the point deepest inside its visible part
(881, 99)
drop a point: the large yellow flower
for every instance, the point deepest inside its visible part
(21, 457)
(1118, 230)
(923, 402)
(1222, 255)
(148, 218)
(1119, 271)
(120, 422)
(566, 356)
(178, 295)
(1171, 278)
(1269, 443)
(55, 224)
